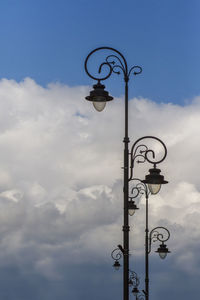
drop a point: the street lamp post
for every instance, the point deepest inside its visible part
(134, 282)
(117, 64)
(99, 97)
(159, 233)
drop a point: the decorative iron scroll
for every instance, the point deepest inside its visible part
(160, 233)
(115, 63)
(142, 153)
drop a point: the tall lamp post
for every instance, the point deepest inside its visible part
(117, 64)
(159, 233)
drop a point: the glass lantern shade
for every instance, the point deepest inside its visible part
(131, 212)
(99, 106)
(162, 255)
(154, 188)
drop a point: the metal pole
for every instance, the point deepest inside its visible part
(147, 251)
(121, 65)
(126, 195)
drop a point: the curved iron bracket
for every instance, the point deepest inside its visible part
(115, 63)
(117, 253)
(135, 281)
(142, 153)
(139, 188)
(156, 235)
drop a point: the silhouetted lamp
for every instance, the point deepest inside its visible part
(116, 265)
(132, 207)
(135, 291)
(99, 96)
(154, 180)
(162, 251)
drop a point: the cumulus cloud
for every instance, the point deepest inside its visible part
(61, 179)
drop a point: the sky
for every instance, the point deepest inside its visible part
(60, 164)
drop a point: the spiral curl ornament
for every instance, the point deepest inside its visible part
(142, 153)
(134, 279)
(116, 254)
(139, 188)
(156, 235)
(115, 63)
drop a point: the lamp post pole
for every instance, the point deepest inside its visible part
(116, 63)
(160, 233)
(126, 227)
(146, 245)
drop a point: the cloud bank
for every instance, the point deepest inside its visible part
(61, 192)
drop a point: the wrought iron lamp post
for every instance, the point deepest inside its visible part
(159, 233)
(133, 278)
(134, 282)
(117, 64)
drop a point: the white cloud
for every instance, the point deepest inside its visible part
(61, 176)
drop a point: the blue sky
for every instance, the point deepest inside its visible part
(60, 161)
(48, 41)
